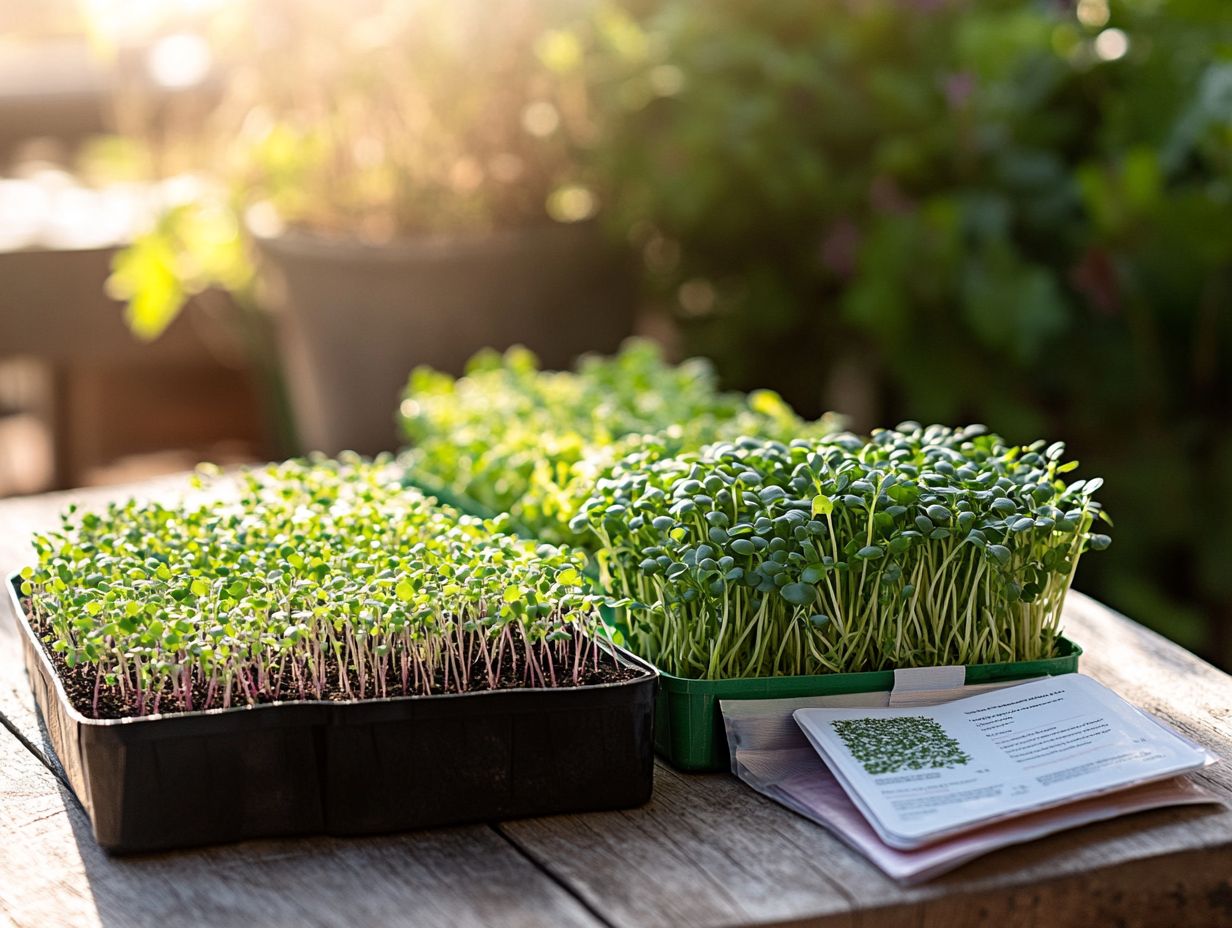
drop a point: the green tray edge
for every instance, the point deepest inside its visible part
(689, 726)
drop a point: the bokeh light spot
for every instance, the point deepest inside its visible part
(180, 60)
(1111, 44)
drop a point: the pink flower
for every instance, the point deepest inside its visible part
(958, 89)
(840, 248)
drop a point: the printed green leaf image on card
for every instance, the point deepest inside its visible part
(897, 744)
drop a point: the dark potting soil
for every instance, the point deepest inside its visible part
(79, 683)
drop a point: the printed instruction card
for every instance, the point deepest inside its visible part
(923, 774)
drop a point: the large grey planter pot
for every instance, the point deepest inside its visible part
(356, 318)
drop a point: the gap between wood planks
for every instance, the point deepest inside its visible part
(32, 748)
(534, 860)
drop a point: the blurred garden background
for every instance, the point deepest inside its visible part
(229, 229)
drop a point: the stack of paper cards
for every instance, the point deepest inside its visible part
(921, 788)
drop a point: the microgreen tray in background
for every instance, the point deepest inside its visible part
(511, 438)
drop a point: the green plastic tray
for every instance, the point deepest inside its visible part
(689, 726)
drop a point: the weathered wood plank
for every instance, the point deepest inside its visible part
(1161, 677)
(708, 851)
(53, 874)
(705, 851)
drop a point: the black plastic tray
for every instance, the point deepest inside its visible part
(379, 765)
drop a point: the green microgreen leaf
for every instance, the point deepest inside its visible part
(923, 545)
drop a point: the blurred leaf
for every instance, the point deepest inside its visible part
(143, 275)
(1012, 307)
(1142, 179)
(559, 50)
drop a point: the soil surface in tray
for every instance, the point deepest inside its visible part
(80, 683)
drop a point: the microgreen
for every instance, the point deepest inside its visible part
(532, 443)
(315, 580)
(919, 546)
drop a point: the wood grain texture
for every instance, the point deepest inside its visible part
(53, 875)
(705, 852)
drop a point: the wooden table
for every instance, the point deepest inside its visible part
(705, 851)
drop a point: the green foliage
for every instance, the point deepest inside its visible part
(193, 246)
(512, 438)
(918, 547)
(315, 580)
(412, 119)
(984, 206)
(372, 120)
(194, 252)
